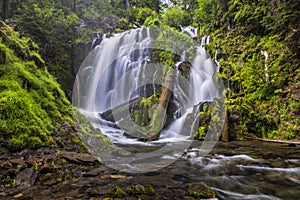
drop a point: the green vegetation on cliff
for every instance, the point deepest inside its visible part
(260, 64)
(31, 101)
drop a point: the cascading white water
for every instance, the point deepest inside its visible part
(189, 30)
(109, 62)
(205, 40)
(202, 80)
(203, 90)
(127, 67)
(127, 54)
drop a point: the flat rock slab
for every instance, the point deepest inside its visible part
(78, 157)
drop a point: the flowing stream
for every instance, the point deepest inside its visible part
(248, 170)
(117, 71)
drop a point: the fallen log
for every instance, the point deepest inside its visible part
(275, 141)
(159, 116)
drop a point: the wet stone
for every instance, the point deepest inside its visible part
(26, 177)
(78, 157)
(95, 171)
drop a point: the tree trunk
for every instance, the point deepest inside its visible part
(127, 5)
(74, 6)
(4, 9)
(159, 117)
(225, 137)
(157, 6)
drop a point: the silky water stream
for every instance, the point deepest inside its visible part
(117, 72)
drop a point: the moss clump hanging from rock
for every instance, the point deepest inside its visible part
(31, 101)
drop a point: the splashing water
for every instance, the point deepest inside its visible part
(120, 70)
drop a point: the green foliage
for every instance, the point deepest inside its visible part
(139, 15)
(204, 121)
(175, 16)
(169, 45)
(143, 110)
(31, 102)
(53, 27)
(152, 21)
(244, 29)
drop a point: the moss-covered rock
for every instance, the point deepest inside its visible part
(140, 190)
(117, 192)
(200, 191)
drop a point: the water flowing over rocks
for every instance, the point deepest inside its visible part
(125, 88)
(232, 170)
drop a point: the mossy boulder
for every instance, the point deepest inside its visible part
(200, 191)
(117, 192)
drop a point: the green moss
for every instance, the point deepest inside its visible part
(143, 110)
(16, 144)
(205, 116)
(93, 192)
(76, 141)
(35, 142)
(118, 192)
(31, 101)
(200, 191)
(201, 133)
(140, 190)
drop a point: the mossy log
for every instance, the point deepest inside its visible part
(225, 137)
(292, 143)
(151, 132)
(159, 116)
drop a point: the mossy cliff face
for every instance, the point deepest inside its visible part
(262, 102)
(31, 101)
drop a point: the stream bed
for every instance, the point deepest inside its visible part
(240, 170)
(234, 170)
(247, 170)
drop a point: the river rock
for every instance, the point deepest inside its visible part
(18, 161)
(200, 191)
(26, 177)
(95, 171)
(78, 157)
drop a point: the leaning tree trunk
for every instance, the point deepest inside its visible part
(152, 132)
(225, 134)
(159, 117)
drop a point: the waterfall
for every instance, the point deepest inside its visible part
(205, 40)
(203, 90)
(117, 71)
(109, 61)
(189, 30)
(202, 77)
(96, 40)
(127, 68)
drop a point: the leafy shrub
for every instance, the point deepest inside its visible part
(175, 16)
